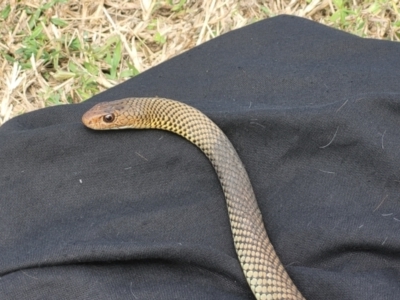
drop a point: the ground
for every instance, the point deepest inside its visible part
(65, 51)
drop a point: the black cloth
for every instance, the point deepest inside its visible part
(314, 114)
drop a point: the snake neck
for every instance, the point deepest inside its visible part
(261, 266)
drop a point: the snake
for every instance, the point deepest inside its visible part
(262, 268)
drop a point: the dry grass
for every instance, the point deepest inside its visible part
(58, 51)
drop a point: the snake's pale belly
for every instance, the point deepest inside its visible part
(261, 266)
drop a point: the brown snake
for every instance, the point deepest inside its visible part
(261, 266)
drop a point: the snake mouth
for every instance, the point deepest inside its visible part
(88, 120)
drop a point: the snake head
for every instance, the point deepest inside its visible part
(107, 115)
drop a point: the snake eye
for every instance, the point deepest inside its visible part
(108, 118)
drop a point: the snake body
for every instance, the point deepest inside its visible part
(261, 266)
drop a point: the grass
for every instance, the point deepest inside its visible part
(59, 51)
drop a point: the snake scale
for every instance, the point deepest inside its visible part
(261, 266)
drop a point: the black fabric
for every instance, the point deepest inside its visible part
(314, 114)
